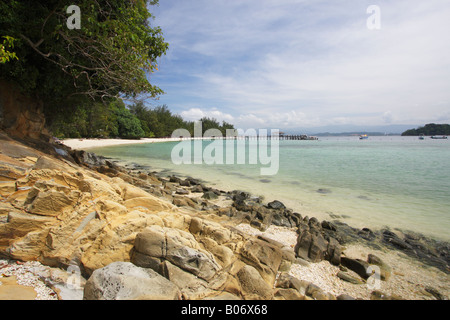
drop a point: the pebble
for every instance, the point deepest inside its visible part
(30, 274)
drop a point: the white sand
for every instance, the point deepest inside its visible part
(408, 280)
(82, 144)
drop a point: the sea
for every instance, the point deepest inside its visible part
(384, 181)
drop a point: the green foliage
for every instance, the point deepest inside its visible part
(94, 120)
(111, 55)
(115, 120)
(430, 129)
(5, 54)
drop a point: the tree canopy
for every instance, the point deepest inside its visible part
(111, 55)
(82, 71)
(430, 129)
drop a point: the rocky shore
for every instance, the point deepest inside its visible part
(126, 233)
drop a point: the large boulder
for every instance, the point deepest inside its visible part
(176, 246)
(125, 281)
(253, 285)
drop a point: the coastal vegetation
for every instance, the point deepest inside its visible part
(430, 129)
(81, 78)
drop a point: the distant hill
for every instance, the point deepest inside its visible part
(430, 129)
(355, 133)
(395, 129)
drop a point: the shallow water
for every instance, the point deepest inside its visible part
(400, 182)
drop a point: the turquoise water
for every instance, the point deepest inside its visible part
(400, 182)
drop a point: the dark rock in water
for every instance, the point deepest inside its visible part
(197, 189)
(328, 225)
(276, 205)
(323, 191)
(210, 195)
(367, 234)
(182, 191)
(393, 239)
(314, 224)
(174, 179)
(357, 265)
(185, 183)
(240, 195)
(193, 181)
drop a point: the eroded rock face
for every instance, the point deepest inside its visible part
(20, 116)
(125, 281)
(63, 214)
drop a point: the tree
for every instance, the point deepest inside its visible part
(110, 56)
(430, 129)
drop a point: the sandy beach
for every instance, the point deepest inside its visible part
(80, 144)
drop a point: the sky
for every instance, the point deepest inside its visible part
(298, 64)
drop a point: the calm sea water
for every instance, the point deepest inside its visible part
(399, 182)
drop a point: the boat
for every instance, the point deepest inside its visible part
(421, 137)
(439, 137)
(363, 136)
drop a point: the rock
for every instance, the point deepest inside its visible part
(328, 225)
(344, 297)
(253, 285)
(277, 205)
(197, 189)
(385, 269)
(178, 276)
(378, 295)
(288, 294)
(311, 246)
(240, 195)
(334, 252)
(185, 183)
(287, 281)
(210, 195)
(21, 116)
(317, 293)
(182, 191)
(356, 265)
(125, 281)
(349, 278)
(264, 256)
(367, 234)
(435, 293)
(393, 239)
(178, 247)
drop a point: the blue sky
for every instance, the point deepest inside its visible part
(297, 64)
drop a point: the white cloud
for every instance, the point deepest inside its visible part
(195, 114)
(309, 63)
